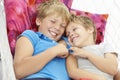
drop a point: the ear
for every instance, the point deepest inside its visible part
(90, 29)
(38, 21)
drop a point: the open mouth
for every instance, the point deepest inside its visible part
(74, 37)
(53, 33)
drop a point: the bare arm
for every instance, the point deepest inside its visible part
(109, 60)
(117, 76)
(76, 73)
(26, 64)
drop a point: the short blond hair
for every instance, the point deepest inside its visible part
(86, 22)
(53, 6)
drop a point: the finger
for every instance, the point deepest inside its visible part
(73, 48)
(63, 56)
(74, 54)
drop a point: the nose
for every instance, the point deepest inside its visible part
(57, 27)
(71, 34)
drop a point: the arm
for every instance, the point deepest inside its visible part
(117, 76)
(26, 64)
(110, 60)
(102, 63)
(76, 73)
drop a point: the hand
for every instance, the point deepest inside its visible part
(78, 52)
(61, 50)
(63, 42)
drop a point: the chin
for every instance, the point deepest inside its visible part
(76, 44)
(55, 39)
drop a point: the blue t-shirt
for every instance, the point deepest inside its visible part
(56, 68)
(68, 44)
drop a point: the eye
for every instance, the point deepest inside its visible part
(53, 21)
(63, 26)
(74, 29)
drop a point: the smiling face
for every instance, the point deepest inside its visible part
(53, 26)
(78, 35)
(52, 19)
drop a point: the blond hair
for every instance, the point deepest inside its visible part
(86, 22)
(53, 6)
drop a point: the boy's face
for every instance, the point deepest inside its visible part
(77, 34)
(53, 26)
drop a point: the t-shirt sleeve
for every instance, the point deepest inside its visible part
(66, 41)
(68, 44)
(31, 35)
(108, 48)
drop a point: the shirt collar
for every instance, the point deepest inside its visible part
(42, 36)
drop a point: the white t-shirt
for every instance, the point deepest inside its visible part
(100, 50)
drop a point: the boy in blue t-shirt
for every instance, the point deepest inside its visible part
(38, 56)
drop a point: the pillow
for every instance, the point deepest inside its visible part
(21, 15)
(17, 20)
(99, 20)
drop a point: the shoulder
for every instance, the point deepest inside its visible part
(28, 32)
(31, 36)
(108, 48)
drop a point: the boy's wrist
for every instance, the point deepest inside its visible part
(52, 51)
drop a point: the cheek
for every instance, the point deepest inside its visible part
(78, 31)
(62, 30)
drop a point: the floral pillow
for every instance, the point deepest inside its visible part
(21, 15)
(100, 21)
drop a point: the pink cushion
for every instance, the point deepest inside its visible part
(100, 21)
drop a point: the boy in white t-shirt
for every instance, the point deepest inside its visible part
(99, 62)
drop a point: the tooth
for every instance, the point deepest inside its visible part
(53, 33)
